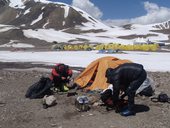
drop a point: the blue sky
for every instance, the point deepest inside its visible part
(121, 11)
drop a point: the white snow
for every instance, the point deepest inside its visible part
(164, 25)
(15, 44)
(152, 61)
(20, 3)
(95, 22)
(66, 9)
(27, 11)
(64, 23)
(44, 26)
(49, 35)
(38, 19)
(108, 36)
(17, 3)
(23, 25)
(4, 28)
(17, 15)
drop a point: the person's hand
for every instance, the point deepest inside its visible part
(63, 78)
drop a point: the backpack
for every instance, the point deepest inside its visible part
(40, 88)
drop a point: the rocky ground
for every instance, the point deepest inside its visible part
(18, 112)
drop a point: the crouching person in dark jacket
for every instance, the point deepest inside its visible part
(127, 78)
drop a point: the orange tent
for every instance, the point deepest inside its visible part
(95, 73)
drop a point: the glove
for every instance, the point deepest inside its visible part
(127, 112)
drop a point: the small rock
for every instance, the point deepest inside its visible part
(53, 125)
(91, 114)
(97, 104)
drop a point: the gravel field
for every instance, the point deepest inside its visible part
(18, 112)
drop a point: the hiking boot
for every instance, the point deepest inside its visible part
(118, 109)
(127, 112)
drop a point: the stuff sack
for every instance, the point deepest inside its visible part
(39, 89)
(147, 88)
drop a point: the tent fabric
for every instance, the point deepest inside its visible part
(96, 71)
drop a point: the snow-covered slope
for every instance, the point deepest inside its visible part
(162, 26)
(117, 35)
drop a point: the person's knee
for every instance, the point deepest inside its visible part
(130, 90)
(131, 95)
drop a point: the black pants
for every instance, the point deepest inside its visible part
(134, 85)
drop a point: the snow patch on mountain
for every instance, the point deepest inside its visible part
(27, 11)
(161, 26)
(95, 22)
(21, 3)
(4, 28)
(44, 26)
(66, 8)
(111, 35)
(38, 19)
(17, 3)
(15, 44)
(51, 35)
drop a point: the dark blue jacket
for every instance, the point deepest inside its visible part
(122, 76)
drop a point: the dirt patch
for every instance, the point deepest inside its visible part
(18, 112)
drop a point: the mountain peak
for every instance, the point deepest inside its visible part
(21, 3)
(36, 14)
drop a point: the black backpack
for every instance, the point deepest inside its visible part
(40, 88)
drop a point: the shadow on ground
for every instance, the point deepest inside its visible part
(141, 108)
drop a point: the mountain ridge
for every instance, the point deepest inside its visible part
(68, 24)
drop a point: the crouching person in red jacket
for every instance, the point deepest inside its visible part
(61, 75)
(127, 78)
